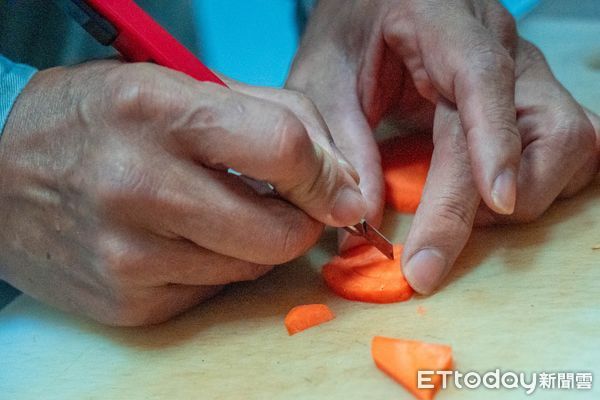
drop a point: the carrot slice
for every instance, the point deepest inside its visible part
(405, 161)
(364, 274)
(401, 359)
(306, 316)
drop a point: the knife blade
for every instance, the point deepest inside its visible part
(373, 236)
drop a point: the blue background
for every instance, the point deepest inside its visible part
(254, 41)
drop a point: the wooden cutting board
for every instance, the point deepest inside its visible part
(521, 298)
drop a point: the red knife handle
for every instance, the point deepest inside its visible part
(142, 39)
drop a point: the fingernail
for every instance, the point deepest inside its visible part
(425, 270)
(504, 192)
(349, 207)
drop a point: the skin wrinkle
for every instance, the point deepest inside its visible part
(208, 207)
(443, 44)
(114, 218)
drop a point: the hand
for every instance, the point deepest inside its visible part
(361, 60)
(561, 153)
(116, 203)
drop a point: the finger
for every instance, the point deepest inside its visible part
(193, 265)
(360, 148)
(468, 66)
(307, 112)
(149, 306)
(586, 173)
(355, 140)
(266, 141)
(559, 140)
(213, 209)
(350, 121)
(502, 25)
(187, 264)
(444, 219)
(135, 259)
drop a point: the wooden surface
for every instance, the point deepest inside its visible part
(523, 298)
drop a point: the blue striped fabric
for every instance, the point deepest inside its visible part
(13, 78)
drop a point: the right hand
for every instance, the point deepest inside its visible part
(116, 203)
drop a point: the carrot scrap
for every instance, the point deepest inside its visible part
(364, 274)
(306, 316)
(401, 359)
(405, 161)
(421, 310)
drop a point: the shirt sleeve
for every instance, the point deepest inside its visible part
(13, 78)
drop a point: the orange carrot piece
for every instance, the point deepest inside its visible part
(364, 274)
(306, 316)
(405, 162)
(401, 359)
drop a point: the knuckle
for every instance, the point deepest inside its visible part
(119, 261)
(454, 210)
(293, 238)
(508, 133)
(289, 242)
(321, 183)
(303, 101)
(135, 93)
(218, 104)
(489, 58)
(529, 56)
(206, 125)
(575, 135)
(125, 184)
(206, 117)
(290, 140)
(531, 50)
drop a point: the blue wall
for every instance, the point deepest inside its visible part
(251, 40)
(519, 8)
(254, 40)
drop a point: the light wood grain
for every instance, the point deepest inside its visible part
(523, 298)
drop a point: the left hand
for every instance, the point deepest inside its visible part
(497, 105)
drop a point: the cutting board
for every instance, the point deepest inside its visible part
(521, 298)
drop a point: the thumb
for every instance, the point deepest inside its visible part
(444, 219)
(335, 93)
(355, 140)
(266, 141)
